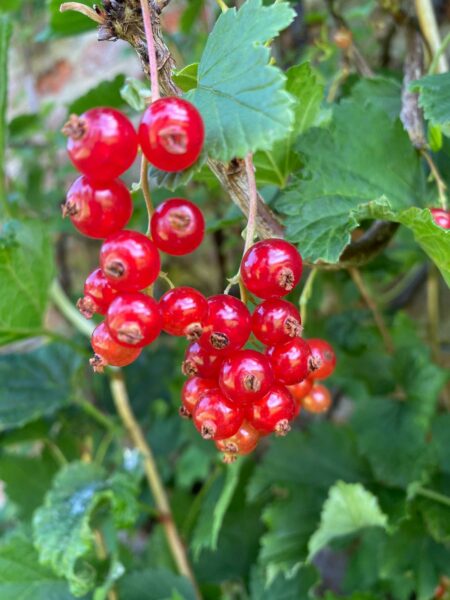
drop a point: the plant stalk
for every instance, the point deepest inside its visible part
(153, 63)
(430, 31)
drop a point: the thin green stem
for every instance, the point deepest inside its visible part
(432, 495)
(66, 308)
(145, 187)
(103, 447)
(434, 63)
(306, 294)
(98, 416)
(5, 35)
(56, 452)
(222, 5)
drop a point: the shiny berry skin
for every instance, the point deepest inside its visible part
(324, 358)
(243, 442)
(134, 319)
(271, 268)
(102, 143)
(216, 417)
(130, 261)
(272, 412)
(276, 321)
(441, 217)
(177, 227)
(227, 326)
(193, 390)
(98, 295)
(245, 376)
(108, 352)
(98, 209)
(318, 400)
(300, 390)
(200, 362)
(183, 310)
(291, 361)
(171, 134)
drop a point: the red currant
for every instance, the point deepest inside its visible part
(201, 362)
(171, 134)
(299, 391)
(216, 417)
(102, 143)
(98, 209)
(193, 390)
(177, 227)
(324, 358)
(441, 217)
(130, 261)
(318, 400)
(291, 361)
(245, 376)
(272, 412)
(98, 295)
(241, 443)
(108, 351)
(271, 268)
(276, 321)
(134, 319)
(227, 326)
(183, 310)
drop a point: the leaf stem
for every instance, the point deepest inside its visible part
(306, 294)
(146, 191)
(102, 419)
(432, 495)
(153, 63)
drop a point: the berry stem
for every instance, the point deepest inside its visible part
(167, 279)
(68, 311)
(306, 294)
(147, 17)
(146, 191)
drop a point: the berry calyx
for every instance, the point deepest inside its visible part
(291, 362)
(245, 376)
(324, 358)
(272, 412)
(171, 134)
(271, 268)
(177, 227)
(318, 400)
(201, 362)
(130, 261)
(98, 209)
(192, 392)
(183, 310)
(441, 217)
(275, 321)
(134, 320)
(108, 352)
(216, 417)
(243, 442)
(227, 326)
(98, 295)
(102, 143)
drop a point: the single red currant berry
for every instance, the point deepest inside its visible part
(134, 319)
(245, 376)
(201, 362)
(108, 352)
(98, 209)
(276, 321)
(183, 310)
(299, 391)
(227, 326)
(272, 412)
(441, 217)
(193, 390)
(102, 143)
(318, 400)
(171, 134)
(130, 261)
(243, 442)
(271, 268)
(324, 358)
(98, 295)
(177, 227)
(291, 361)
(216, 417)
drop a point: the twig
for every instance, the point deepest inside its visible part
(84, 10)
(442, 188)
(146, 191)
(430, 30)
(153, 63)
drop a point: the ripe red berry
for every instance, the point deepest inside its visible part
(171, 134)
(183, 310)
(271, 268)
(177, 227)
(227, 326)
(216, 417)
(241, 443)
(245, 376)
(272, 412)
(318, 400)
(300, 390)
(193, 390)
(291, 361)
(108, 351)
(201, 362)
(134, 319)
(441, 217)
(324, 358)
(98, 209)
(98, 295)
(130, 261)
(102, 143)
(275, 321)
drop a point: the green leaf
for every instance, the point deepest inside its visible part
(435, 508)
(298, 587)
(348, 508)
(240, 96)
(10, 5)
(26, 272)
(187, 78)
(440, 438)
(106, 93)
(136, 93)
(67, 23)
(434, 98)
(5, 35)
(379, 92)
(61, 527)
(157, 584)
(357, 596)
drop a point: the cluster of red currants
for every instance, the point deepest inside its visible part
(441, 217)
